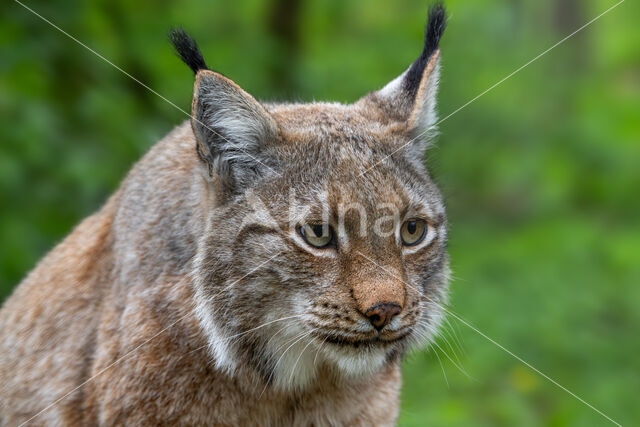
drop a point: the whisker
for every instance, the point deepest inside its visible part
(454, 330)
(454, 363)
(434, 342)
(451, 331)
(289, 340)
(196, 349)
(453, 350)
(262, 326)
(441, 367)
(318, 351)
(274, 335)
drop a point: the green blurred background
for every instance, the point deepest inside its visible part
(541, 175)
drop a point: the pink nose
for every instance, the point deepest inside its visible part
(381, 314)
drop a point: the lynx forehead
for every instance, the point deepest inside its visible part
(285, 256)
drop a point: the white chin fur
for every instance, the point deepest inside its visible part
(297, 367)
(295, 359)
(355, 362)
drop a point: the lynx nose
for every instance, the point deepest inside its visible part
(381, 314)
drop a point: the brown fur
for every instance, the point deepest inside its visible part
(71, 318)
(169, 305)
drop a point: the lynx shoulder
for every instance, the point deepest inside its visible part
(262, 264)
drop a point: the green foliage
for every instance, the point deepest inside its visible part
(540, 174)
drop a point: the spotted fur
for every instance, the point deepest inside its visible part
(191, 296)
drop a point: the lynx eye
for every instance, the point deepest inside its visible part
(317, 235)
(413, 231)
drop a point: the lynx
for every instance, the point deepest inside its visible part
(264, 263)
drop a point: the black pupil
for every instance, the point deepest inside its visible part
(317, 230)
(411, 227)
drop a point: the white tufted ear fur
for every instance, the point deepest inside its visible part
(231, 128)
(419, 109)
(423, 115)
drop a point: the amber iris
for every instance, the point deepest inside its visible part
(413, 231)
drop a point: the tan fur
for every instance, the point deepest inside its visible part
(174, 303)
(71, 318)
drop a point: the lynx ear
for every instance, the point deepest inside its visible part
(411, 97)
(230, 126)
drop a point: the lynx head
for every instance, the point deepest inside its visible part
(324, 244)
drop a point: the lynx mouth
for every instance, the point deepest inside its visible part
(377, 341)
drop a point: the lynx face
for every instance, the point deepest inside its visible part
(325, 238)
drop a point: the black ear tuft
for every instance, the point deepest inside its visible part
(187, 49)
(436, 23)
